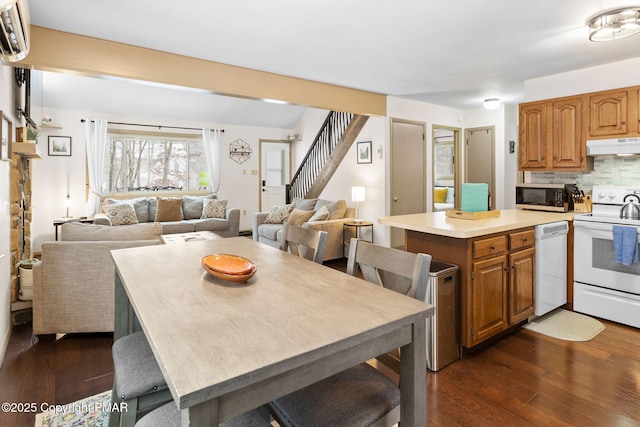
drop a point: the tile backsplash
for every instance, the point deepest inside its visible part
(607, 170)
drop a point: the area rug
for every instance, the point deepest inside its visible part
(89, 412)
(566, 325)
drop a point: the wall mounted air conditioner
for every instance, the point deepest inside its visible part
(14, 30)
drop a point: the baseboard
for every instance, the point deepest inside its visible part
(245, 233)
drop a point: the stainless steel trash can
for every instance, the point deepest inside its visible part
(443, 345)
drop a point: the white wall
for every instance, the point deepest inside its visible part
(593, 79)
(7, 105)
(54, 176)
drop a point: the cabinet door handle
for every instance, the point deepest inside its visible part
(506, 269)
(492, 248)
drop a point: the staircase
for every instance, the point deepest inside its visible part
(332, 143)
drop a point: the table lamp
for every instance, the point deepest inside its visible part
(357, 195)
(67, 204)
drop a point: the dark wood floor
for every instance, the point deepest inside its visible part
(525, 379)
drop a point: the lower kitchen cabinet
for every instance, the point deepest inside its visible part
(497, 278)
(489, 294)
(521, 285)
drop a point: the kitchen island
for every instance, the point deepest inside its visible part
(496, 261)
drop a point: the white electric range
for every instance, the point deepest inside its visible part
(604, 287)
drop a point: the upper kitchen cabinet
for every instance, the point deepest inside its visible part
(534, 135)
(609, 113)
(551, 136)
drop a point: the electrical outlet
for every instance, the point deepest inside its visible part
(244, 171)
(244, 212)
(254, 172)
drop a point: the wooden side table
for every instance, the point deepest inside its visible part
(354, 229)
(59, 221)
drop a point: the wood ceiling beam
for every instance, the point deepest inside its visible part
(58, 51)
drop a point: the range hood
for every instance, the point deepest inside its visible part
(609, 147)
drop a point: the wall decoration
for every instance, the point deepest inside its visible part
(60, 146)
(364, 152)
(239, 151)
(6, 129)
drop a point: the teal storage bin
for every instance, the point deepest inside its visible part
(475, 197)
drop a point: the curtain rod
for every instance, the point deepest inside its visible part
(154, 126)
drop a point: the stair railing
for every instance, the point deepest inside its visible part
(325, 141)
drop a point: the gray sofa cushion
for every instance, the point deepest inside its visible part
(140, 205)
(305, 204)
(192, 205)
(270, 231)
(78, 231)
(210, 224)
(336, 209)
(173, 227)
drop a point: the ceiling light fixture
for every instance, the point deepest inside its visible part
(491, 103)
(614, 24)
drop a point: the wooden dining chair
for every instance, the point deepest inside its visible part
(360, 396)
(168, 415)
(304, 242)
(138, 380)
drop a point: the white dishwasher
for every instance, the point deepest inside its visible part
(551, 266)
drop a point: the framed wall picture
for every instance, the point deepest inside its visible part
(59, 145)
(364, 152)
(6, 129)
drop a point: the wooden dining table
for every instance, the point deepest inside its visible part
(225, 348)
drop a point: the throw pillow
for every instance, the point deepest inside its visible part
(440, 195)
(192, 205)
(321, 214)
(298, 217)
(336, 209)
(278, 214)
(140, 205)
(121, 214)
(214, 208)
(169, 209)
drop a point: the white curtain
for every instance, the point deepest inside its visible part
(95, 132)
(211, 140)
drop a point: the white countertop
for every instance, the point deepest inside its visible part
(438, 223)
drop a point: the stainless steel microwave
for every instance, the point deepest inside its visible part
(543, 197)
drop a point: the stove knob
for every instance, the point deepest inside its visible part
(601, 195)
(612, 195)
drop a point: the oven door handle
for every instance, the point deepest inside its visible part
(598, 226)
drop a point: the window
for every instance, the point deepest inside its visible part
(154, 163)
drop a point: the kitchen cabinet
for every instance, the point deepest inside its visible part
(609, 113)
(497, 278)
(551, 136)
(534, 136)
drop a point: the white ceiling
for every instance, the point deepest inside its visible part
(452, 53)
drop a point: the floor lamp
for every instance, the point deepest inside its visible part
(357, 195)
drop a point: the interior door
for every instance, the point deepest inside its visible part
(275, 173)
(408, 177)
(480, 163)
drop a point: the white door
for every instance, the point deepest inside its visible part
(275, 173)
(408, 177)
